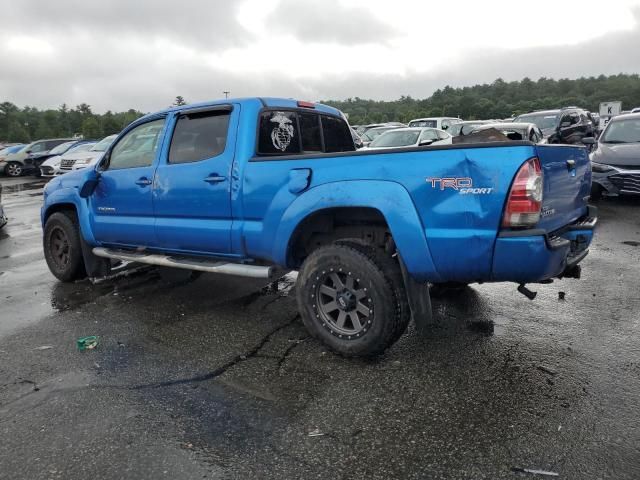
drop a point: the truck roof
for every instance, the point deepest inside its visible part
(267, 102)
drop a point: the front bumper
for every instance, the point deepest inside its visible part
(618, 181)
(530, 256)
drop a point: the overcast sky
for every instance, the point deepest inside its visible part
(120, 54)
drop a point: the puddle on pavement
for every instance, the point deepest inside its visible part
(23, 187)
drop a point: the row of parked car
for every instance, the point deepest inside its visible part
(51, 157)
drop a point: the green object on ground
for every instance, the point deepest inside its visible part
(87, 343)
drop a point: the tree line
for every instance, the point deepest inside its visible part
(499, 99)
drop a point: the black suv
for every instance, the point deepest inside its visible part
(564, 125)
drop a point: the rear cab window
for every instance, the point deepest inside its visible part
(295, 132)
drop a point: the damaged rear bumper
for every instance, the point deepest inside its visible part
(527, 256)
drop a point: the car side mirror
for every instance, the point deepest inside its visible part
(90, 184)
(425, 142)
(589, 141)
(565, 124)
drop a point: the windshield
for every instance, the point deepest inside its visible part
(103, 144)
(542, 120)
(83, 147)
(63, 147)
(424, 123)
(375, 133)
(397, 138)
(622, 131)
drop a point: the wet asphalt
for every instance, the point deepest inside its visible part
(217, 378)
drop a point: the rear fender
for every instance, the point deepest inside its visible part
(391, 199)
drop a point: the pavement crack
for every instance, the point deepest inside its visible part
(283, 358)
(253, 352)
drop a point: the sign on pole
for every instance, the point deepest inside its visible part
(608, 110)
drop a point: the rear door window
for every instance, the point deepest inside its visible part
(278, 133)
(337, 137)
(199, 136)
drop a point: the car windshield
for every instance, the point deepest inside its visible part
(622, 131)
(83, 147)
(424, 123)
(396, 138)
(375, 133)
(103, 144)
(63, 147)
(543, 121)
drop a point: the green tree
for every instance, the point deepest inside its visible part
(179, 101)
(91, 128)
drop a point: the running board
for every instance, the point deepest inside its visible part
(190, 263)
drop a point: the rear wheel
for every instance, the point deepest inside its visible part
(62, 248)
(13, 169)
(347, 302)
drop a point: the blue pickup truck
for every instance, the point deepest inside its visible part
(259, 186)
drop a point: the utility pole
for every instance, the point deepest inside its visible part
(226, 93)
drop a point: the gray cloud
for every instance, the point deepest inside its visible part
(110, 72)
(207, 24)
(329, 21)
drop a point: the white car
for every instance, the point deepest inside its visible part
(51, 167)
(443, 123)
(80, 160)
(410, 137)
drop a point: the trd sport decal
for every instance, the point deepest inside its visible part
(463, 185)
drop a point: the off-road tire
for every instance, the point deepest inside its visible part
(13, 169)
(352, 267)
(62, 248)
(392, 271)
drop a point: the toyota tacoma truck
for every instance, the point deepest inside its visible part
(259, 186)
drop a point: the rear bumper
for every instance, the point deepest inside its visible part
(532, 256)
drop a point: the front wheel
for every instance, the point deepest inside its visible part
(62, 248)
(13, 169)
(347, 302)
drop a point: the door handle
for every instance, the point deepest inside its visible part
(215, 178)
(571, 164)
(143, 182)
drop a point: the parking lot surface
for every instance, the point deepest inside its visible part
(217, 378)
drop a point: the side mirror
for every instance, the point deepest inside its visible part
(90, 184)
(565, 124)
(588, 140)
(425, 142)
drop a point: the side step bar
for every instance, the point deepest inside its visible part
(191, 263)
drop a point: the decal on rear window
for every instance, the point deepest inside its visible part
(283, 133)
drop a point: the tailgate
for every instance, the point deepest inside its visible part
(567, 184)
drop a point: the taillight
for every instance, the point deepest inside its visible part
(525, 198)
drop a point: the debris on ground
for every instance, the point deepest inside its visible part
(316, 433)
(44, 347)
(546, 369)
(534, 472)
(87, 343)
(561, 295)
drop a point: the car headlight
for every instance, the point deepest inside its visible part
(600, 167)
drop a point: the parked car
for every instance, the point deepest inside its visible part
(410, 137)
(13, 165)
(616, 158)
(515, 131)
(466, 127)
(364, 128)
(366, 230)
(51, 166)
(442, 123)
(33, 162)
(4, 153)
(373, 133)
(3, 217)
(566, 125)
(635, 110)
(78, 160)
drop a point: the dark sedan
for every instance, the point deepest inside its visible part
(616, 158)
